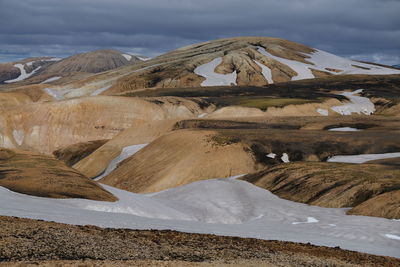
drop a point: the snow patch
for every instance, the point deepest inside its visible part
(327, 62)
(19, 136)
(285, 158)
(266, 72)
(143, 58)
(202, 115)
(271, 155)
(127, 57)
(363, 157)
(213, 78)
(100, 90)
(302, 69)
(23, 74)
(52, 79)
(359, 104)
(125, 153)
(323, 112)
(395, 237)
(56, 94)
(344, 129)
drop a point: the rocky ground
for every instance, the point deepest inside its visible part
(26, 242)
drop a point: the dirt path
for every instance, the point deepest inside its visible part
(26, 242)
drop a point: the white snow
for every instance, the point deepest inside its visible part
(302, 69)
(127, 57)
(143, 58)
(52, 59)
(19, 136)
(100, 90)
(362, 157)
(359, 104)
(323, 112)
(320, 60)
(202, 115)
(344, 129)
(271, 155)
(285, 158)
(52, 79)
(125, 153)
(213, 78)
(219, 206)
(59, 95)
(395, 237)
(309, 220)
(266, 72)
(323, 60)
(23, 74)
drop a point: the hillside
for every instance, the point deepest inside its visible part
(48, 70)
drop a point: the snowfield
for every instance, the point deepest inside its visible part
(327, 62)
(127, 57)
(52, 79)
(23, 74)
(359, 104)
(100, 90)
(344, 129)
(266, 72)
(213, 78)
(363, 157)
(220, 206)
(125, 153)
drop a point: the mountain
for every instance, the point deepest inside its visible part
(47, 70)
(93, 62)
(243, 61)
(396, 66)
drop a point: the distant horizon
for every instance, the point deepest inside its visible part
(135, 54)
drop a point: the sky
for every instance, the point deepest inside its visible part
(358, 29)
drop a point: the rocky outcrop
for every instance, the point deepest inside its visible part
(38, 175)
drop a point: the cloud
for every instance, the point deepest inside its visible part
(352, 28)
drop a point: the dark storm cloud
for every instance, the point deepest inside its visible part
(361, 29)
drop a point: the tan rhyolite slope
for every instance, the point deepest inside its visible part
(371, 188)
(39, 175)
(179, 158)
(47, 126)
(142, 133)
(73, 153)
(92, 62)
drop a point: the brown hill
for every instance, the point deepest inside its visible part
(44, 176)
(371, 188)
(179, 158)
(92, 62)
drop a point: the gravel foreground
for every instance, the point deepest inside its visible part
(26, 242)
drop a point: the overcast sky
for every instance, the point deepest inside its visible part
(360, 29)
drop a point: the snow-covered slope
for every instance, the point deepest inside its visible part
(363, 157)
(220, 206)
(213, 78)
(125, 153)
(327, 62)
(23, 74)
